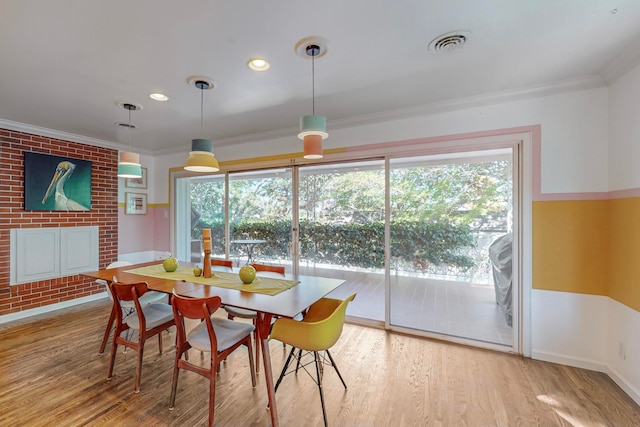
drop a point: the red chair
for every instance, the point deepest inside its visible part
(220, 337)
(147, 320)
(233, 312)
(225, 263)
(127, 307)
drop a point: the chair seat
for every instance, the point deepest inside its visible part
(240, 312)
(154, 314)
(227, 332)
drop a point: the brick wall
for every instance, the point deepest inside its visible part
(104, 214)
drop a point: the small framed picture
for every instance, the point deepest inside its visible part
(135, 203)
(137, 182)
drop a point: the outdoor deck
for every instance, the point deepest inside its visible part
(446, 307)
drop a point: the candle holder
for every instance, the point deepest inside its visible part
(206, 268)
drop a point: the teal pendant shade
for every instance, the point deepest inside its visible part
(202, 145)
(129, 170)
(201, 157)
(313, 125)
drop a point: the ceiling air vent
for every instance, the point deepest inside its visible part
(126, 125)
(449, 42)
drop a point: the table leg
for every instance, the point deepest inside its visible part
(263, 323)
(249, 254)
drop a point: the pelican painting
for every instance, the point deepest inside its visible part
(60, 177)
(69, 189)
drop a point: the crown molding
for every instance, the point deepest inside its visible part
(65, 136)
(553, 88)
(622, 64)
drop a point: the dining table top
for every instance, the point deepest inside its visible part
(287, 303)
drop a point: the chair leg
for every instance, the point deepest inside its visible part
(336, 368)
(112, 357)
(284, 369)
(212, 390)
(299, 359)
(319, 374)
(256, 340)
(139, 366)
(174, 383)
(251, 362)
(160, 342)
(107, 331)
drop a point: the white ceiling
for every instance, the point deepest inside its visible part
(66, 64)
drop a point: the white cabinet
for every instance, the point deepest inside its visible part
(47, 253)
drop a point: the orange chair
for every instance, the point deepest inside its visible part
(233, 312)
(220, 337)
(265, 268)
(127, 306)
(148, 320)
(227, 264)
(318, 331)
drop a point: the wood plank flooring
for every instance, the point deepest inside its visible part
(52, 375)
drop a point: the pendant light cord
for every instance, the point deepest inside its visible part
(201, 109)
(313, 82)
(129, 128)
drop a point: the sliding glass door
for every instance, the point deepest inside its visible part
(341, 214)
(425, 241)
(451, 222)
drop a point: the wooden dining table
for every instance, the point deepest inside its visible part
(287, 303)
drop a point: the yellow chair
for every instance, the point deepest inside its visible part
(318, 331)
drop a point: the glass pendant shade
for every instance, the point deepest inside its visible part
(201, 157)
(129, 165)
(313, 125)
(312, 132)
(313, 147)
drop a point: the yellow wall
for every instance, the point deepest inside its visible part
(624, 251)
(588, 247)
(570, 241)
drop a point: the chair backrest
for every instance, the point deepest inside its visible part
(222, 263)
(279, 269)
(194, 308)
(117, 264)
(319, 329)
(123, 292)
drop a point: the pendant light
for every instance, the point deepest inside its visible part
(313, 129)
(201, 157)
(129, 164)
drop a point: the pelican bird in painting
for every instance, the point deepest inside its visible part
(60, 177)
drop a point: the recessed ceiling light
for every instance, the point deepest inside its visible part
(258, 64)
(159, 97)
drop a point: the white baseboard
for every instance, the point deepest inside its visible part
(623, 384)
(592, 365)
(52, 307)
(576, 362)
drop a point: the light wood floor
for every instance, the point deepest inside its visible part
(52, 375)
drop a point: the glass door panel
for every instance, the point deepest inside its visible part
(451, 221)
(341, 230)
(202, 205)
(260, 207)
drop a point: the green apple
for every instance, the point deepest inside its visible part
(247, 274)
(170, 264)
(197, 271)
